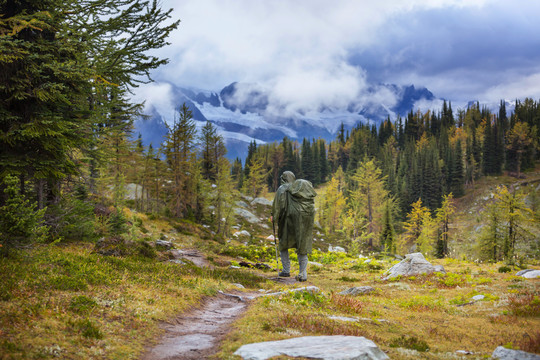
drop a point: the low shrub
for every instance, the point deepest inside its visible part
(410, 342)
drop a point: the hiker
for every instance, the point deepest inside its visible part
(293, 210)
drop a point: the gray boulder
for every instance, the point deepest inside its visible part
(413, 264)
(503, 353)
(357, 290)
(315, 347)
(261, 201)
(165, 244)
(529, 273)
(241, 204)
(247, 215)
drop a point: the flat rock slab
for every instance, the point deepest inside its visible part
(529, 274)
(315, 347)
(357, 290)
(503, 353)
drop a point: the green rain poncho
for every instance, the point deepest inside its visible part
(294, 211)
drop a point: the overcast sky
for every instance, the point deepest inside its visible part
(320, 51)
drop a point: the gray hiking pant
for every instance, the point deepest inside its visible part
(302, 260)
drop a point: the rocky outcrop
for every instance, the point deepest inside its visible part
(502, 353)
(248, 215)
(413, 264)
(261, 201)
(315, 347)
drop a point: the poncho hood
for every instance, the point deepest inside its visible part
(287, 177)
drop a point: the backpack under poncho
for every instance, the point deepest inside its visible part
(296, 220)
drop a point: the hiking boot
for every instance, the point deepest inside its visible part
(299, 278)
(284, 274)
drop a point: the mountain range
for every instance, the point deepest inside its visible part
(245, 112)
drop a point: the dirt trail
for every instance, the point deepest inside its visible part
(198, 334)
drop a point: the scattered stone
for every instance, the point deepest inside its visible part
(247, 198)
(234, 267)
(400, 286)
(478, 297)
(261, 201)
(239, 286)
(464, 352)
(309, 289)
(439, 269)
(529, 273)
(165, 244)
(177, 261)
(336, 249)
(357, 290)
(355, 319)
(313, 263)
(247, 215)
(503, 353)
(414, 264)
(316, 347)
(242, 233)
(271, 238)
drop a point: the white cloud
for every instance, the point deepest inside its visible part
(157, 95)
(520, 88)
(299, 49)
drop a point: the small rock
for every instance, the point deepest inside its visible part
(529, 273)
(503, 353)
(400, 286)
(313, 263)
(343, 318)
(439, 269)
(242, 233)
(165, 244)
(464, 352)
(176, 261)
(478, 297)
(336, 249)
(310, 289)
(234, 267)
(271, 238)
(239, 286)
(357, 290)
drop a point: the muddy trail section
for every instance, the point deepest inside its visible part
(198, 333)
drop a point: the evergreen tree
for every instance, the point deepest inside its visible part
(388, 234)
(179, 151)
(43, 81)
(212, 150)
(442, 217)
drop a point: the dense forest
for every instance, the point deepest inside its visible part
(67, 163)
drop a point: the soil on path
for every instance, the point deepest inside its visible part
(197, 334)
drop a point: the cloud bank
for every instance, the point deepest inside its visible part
(312, 54)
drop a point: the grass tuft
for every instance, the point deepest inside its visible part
(410, 342)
